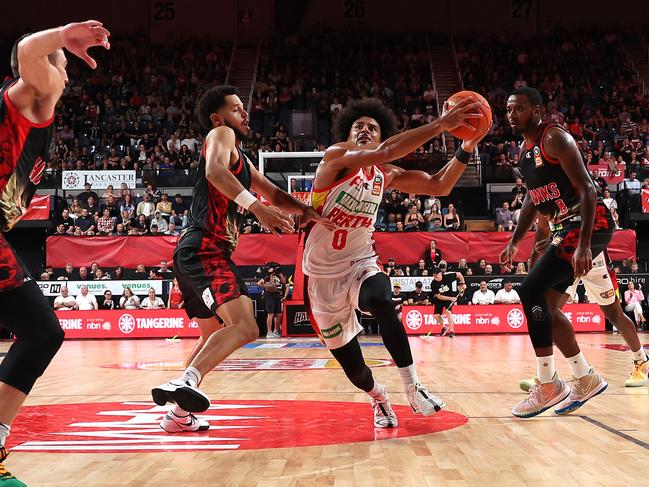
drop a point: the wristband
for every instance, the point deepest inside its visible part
(463, 156)
(245, 199)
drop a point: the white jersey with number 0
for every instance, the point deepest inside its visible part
(352, 204)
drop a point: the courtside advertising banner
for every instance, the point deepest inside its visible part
(154, 323)
(98, 179)
(53, 288)
(495, 318)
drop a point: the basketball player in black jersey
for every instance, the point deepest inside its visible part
(561, 190)
(211, 285)
(26, 115)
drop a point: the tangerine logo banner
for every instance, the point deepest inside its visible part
(154, 323)
(495, 318)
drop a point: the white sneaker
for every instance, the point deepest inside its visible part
(177, 424)
(581, 391)
(384, 416)
(188, 397)
(422, 401)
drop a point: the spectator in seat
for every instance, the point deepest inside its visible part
(164, 206)
(106, 224)
(483, 295)
(507, 295)
(45, 276)
(85, 300)
(504, 169)
(480, 269)
(429, 203)
(419, 297)
(75, 208)
(461, 267)
(509, 227)
(608, 200)
(65, 302)
(83, 274)
(68, 272)
(118, 273)
(393, 207)
(129, 300)
(120, 230)
(171, 230)
(100, 275)
(67, 221)
(437, 226)
(520, 269)
(178, 206)
(400, 227)
(146, 207)
(160, 222)
(432, 214)
(397, 299)
(175, 300)
(91, 206)
(634, 268)
(107, 302)
(86, 194)
(127, 206)
(60, 231)
(85, 222)
(154, 231)
(111, 205)
(109, 191)
(164, 270)
(503, 216)
(432, 255)
(414, 220)
(420, 269)
(462, 297)
(488, 270)
(153, 192)
(633, 299)
(142, 225)
(152, 301)
(451, 218)
(140, 272)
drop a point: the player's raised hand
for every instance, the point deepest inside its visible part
(460, 114)
(310, 215)
(78, 37)
(272, 218)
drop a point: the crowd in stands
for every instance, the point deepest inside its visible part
(94, 272)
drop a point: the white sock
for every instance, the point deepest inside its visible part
(640, 355)
(578, 365)
(408, 376)
(545, 368)
(179, 412)
(4, 432)
(192, 375)
(378, 392)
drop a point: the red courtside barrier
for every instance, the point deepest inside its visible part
(406, 248)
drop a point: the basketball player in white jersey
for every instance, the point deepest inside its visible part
(601, 288)
(342, 271)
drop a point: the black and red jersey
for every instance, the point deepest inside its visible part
(548, 185)
(24, 147)
(218, 217)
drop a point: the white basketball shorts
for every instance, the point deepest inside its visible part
(332, 303)
(600, 283)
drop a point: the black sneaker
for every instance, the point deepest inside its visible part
(451, 335)
(444, 331)
(189, 398)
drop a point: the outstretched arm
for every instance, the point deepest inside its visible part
(347, 155)
(39, 79)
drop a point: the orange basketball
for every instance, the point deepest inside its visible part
(482, 125)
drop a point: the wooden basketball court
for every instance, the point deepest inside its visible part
(288, 421)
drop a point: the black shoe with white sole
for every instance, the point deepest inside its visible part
(188, 397)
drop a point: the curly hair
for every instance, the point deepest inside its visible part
(368, 107)
(211, 101)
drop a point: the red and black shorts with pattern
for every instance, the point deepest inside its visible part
(12, 270)
(603, 228)
(206, 275)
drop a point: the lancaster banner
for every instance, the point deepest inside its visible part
(98, 179)
(495, 318)
(154, 323)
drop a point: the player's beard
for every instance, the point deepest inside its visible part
(238, 133)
